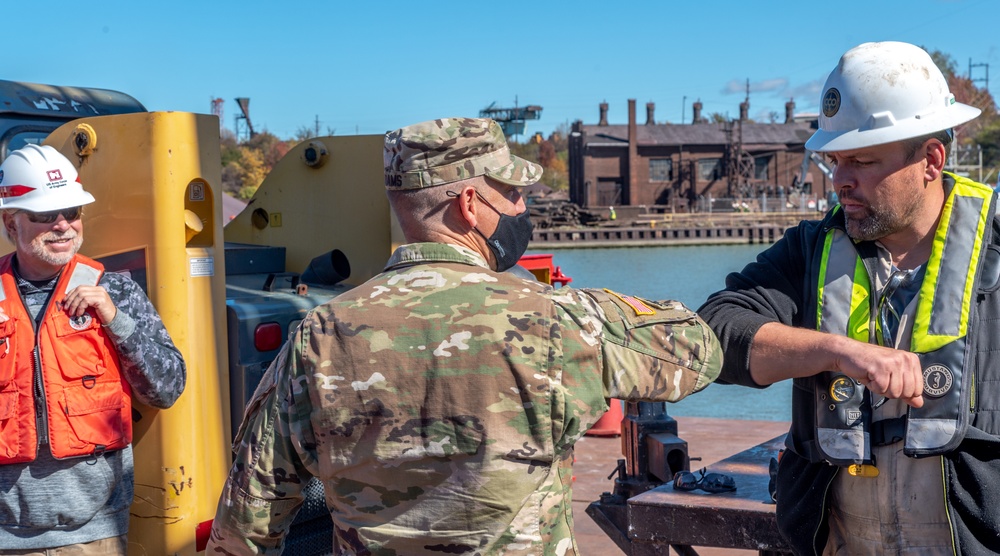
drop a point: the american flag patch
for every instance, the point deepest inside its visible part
(635, 303)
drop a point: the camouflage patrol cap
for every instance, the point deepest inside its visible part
(452, 149)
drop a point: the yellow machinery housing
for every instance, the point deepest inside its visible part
(325, 194)
(156, 179)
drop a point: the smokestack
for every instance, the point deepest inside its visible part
(650, 107)
(744, 110)
(604, 114)
(633, 156)
(789, 111)
(696, 116)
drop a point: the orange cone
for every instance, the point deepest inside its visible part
(610, 424)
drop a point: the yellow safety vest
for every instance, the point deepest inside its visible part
(846, 306)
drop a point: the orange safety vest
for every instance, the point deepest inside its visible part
(88, 401)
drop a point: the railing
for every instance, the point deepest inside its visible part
(763, 203)
(723, 219)
(657, 235)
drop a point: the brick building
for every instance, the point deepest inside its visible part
(672, 165)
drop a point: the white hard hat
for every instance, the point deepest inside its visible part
(40, 179)
(882, 92)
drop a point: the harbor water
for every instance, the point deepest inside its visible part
(688, 274)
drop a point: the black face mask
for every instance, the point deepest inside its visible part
(510, 240)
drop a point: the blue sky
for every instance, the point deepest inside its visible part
(369, 66)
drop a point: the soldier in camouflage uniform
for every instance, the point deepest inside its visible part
(439, 402)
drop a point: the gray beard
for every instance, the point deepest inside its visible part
(37, 247)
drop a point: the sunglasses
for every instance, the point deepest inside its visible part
(888, 315)
(709, 482)
(69, 214)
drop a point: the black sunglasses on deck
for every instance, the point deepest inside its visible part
(709, 482)
(69, 214)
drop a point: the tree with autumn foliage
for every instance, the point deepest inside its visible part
(551, 154)
(246, 164)
(983, 131)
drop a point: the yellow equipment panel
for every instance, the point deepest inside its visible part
(326, 193)
(157, 182)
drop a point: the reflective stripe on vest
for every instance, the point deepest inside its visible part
(842, 416)
(944, 309)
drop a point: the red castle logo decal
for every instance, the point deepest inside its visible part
(55, 175)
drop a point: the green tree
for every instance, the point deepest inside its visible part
(527, 151)
(989, 139)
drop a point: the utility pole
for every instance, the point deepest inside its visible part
(986, 79)
(684, 101)
(517, 114)
(316, 134)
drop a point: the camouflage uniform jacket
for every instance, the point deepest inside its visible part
(439, 403)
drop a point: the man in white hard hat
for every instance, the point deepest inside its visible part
(76, 346)
(885, 314)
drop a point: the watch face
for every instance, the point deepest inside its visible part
(842, 389)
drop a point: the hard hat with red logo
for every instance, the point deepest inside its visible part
(883, 92)
(40, 179)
